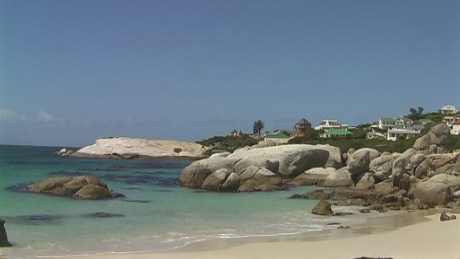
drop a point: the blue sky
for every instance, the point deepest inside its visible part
(74, 71)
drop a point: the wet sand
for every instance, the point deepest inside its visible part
(404, 235)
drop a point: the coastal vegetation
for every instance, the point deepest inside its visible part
(258, 126)
(345, 144)
(358, 139)
(229, 143)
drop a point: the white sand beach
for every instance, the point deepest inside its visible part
(428, 239)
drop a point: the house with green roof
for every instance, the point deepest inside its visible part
(386, 123)
(336, 133)
(279, 137)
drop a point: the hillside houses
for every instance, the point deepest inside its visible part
(394, 128)
(390, 127)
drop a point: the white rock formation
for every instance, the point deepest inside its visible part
(124, 147)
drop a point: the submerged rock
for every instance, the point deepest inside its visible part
(38, 219)
(103, 215)
(83, 187)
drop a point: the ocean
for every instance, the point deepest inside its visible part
(157, 214)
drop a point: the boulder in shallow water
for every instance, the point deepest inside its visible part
(83, 187)
(3, 236)
(323, 207)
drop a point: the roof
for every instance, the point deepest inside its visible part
(425, 121)
(337, 132)
(303, 121)
(277, 134)
(404, 131)
(449, 107)
(388, 120)
(330, 122)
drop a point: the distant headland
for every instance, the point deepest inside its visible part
(134, 148)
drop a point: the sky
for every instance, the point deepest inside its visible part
(74, 71)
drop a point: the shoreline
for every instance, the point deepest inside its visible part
(405, 234)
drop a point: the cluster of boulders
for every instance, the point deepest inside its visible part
(445, 217)
(423, 176)
(81, 187)
(258, 169)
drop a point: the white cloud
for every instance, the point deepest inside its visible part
(44, 116)
(9, 115)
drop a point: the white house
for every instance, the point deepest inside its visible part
(385, 123)
(449, 109)
(330, 124)
(395, 134)
(454, 125)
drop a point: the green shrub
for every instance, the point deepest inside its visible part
(229, 143)
(345, 144)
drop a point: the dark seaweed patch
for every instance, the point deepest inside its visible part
(137, 201)
(22, 187)
(142, 179)
(133, 188)
(103, 215)
(67, 173)
(162, 190)
(39, 219)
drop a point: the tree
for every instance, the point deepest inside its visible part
(415, 114)
(258, 126)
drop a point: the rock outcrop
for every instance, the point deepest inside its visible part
(314, 176)
(258, 168)
(358, 162)
(434, 141)
(64, 152)
(323, 208)
(130, 148)
(437, 190)
(82, 187)
(338, 178)
(423, 176)
(381, 167)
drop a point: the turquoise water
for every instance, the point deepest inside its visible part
(156, 214)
